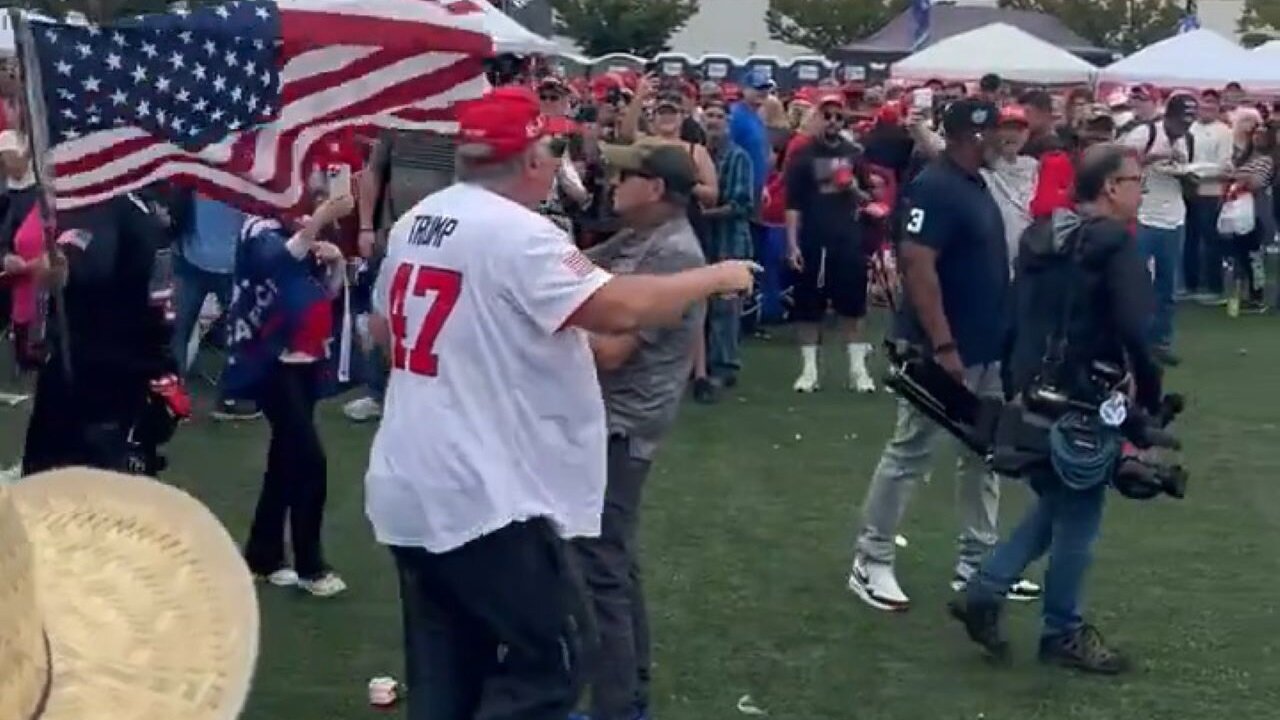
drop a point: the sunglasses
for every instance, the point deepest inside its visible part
(833, 117)
(550, 97)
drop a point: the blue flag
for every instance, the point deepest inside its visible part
(921, 10)
(1190, 19)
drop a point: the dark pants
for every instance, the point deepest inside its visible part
(295, 482)
(88, 425)
(1202, 252)
(611, 571)
(491, 629)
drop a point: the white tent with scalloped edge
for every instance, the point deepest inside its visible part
(1269, 49)
(1199, 59)
(1010, 52)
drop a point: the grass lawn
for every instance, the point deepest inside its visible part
(748, 525)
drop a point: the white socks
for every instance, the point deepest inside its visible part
(859, 378)
(808, 380)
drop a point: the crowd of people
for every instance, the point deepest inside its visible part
(554, 278)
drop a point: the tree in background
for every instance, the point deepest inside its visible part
(825, 25)
(1260, 16)
(1125, 25)
(640, 27)
(104, 10)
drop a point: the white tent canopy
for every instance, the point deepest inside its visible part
(1269, 49)
(510, 36)
(1198, 59)
(1010, 52)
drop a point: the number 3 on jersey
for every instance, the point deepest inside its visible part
(444, 286)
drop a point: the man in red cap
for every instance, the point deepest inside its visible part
(492, 446)
(1011, 176)
(827, 186)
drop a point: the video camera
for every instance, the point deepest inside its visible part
(1013, 437)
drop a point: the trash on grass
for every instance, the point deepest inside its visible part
(747, 706)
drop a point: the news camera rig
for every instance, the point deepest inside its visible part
(1013, 438)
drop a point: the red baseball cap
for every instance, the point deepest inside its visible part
(889, 114)
(805, 95)
(504, 123)
(1013, 114)
(832, 99)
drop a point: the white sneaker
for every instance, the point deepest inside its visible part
(875, 584)
(362, 410)
(284, 577)
(327, 585)
(808, 381)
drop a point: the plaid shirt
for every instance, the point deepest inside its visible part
(729, 236)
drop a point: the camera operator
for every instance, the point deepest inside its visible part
(1081, 297)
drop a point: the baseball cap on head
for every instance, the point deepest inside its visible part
(670, 101)
(969, 116)
(709, 89)
(1182, 107)
(501, 125)
(664, 161)
(553, 84)
(758, 79)
(1013, 115)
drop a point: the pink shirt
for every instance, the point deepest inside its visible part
(28, 243)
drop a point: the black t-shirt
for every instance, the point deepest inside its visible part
(890, 147)
(691, 131)
(825, 181)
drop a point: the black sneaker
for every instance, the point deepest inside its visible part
(235, 411)
(1165, 356)
(705, 391)
(982, 623)
(1022, 589)
(1083, 650)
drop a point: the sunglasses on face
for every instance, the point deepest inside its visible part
(550, 97)
(833, 116)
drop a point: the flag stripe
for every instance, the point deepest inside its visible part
(340, 65)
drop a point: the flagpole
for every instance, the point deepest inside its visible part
(38, 150)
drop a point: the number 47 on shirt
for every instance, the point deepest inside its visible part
(444, 286)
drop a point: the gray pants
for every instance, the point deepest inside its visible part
(907, 458)
(619, 656)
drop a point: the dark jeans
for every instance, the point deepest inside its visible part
(193, 286)
(724, 330)
(86, 425)
(295, 483)
(610, 567)
(1202, 253)
(1064, 523)
(1162, 248)
(491, 629)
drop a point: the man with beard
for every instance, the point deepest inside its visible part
(827, 186)
(728, 238)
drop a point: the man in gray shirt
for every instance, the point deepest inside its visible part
(643, 379)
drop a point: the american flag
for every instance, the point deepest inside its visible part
(232, 98)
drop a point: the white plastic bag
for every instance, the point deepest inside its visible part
(1238, 216)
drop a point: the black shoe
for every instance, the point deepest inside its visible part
(728, 381)
(982, 623)
(1084, 650)
(1165, 356)
(235, 411)
(705, 391)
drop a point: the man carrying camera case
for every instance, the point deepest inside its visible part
(1082, 297)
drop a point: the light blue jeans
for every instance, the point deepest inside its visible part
(907, 458)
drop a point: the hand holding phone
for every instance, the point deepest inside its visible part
(339, 181)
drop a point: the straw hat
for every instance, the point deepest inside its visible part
(120, 598)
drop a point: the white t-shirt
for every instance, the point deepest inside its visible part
(1162, 203)
(493, 412)
(14, 141)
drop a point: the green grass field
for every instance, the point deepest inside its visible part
(747, 529)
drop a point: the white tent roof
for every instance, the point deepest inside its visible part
(1270, 49)
(1010, 52)
(510, 36)
(1198, 59)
